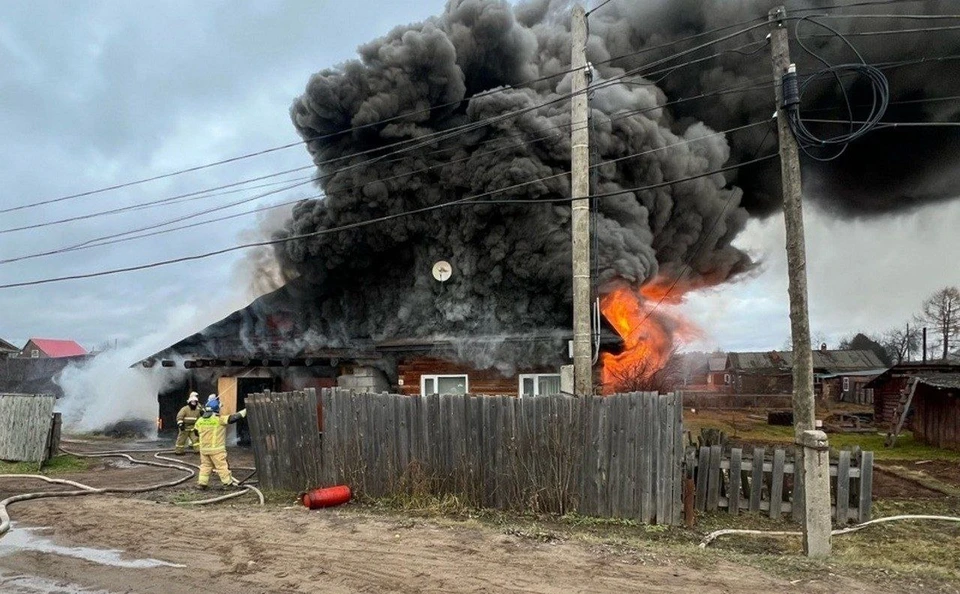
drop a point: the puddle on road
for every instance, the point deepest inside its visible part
(20, 540)
(18, 583)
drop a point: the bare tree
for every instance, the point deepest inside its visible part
(941, 312)
(900, 342)
(646, 376)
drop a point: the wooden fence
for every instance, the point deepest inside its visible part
(765, 482)
(285, 433)
(616, 456)
(26, 427)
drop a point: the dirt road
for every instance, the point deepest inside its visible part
(246, 549)
(277, 549)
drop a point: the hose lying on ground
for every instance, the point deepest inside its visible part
(88, 490)
(714, 535)
(247, 488)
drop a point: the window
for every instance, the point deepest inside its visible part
(726, 378)
(539, 384)
(443, 384)
(35, 354)
(846, 384)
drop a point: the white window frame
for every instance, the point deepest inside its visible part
(35, 353)
(536, 384)
(726, 379)
(846, 384)
(436, 378)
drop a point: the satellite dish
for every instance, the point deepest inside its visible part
(442, 271)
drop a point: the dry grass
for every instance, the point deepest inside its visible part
(56, 465)
(751, 427)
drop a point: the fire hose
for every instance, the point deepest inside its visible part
(83, 489)
(714, 535)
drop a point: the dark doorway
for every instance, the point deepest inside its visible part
(245, 386)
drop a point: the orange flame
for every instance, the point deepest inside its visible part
(650, 329)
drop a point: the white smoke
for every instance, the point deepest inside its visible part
(114, 387)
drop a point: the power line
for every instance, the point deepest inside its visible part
(703, 241)
(885, 32)
(197, 195)
(589, 12)
(363, 126)
(855, 5)
(881, 125)
(471, 200)
(466, 127)
(452, 103)
(122, 237)
(632, 190)
(304, 180)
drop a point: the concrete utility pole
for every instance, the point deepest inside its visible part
(813, 461)
(580, 211)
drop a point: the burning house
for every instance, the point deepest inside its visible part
(269, 346)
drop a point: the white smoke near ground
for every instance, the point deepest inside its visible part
(105, 390)
(113, 386)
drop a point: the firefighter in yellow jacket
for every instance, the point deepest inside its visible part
(212, 427)
(186, 419)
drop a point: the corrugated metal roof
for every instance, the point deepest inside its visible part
(831, 361)
(940, 380)
(864, 373)
(59, 348)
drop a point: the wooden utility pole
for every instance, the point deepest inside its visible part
(803, 404)
(580, 211)
(813, 463)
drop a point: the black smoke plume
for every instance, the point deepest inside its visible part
(512, 261)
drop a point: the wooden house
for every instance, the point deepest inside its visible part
(271, 345)
(7, 350)
(934, 414)
(51, 348)
(772, 372)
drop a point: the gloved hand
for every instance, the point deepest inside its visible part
(180, 425)
(243, 413)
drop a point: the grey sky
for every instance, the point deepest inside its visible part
(98, 93)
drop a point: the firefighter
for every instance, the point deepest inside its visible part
(212, 427)
(186, 418)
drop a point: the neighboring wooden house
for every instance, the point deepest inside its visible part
(937, 404)
(7, 349)
(772, 372)
(934, 381)
(718, 378)
(48, 348)
(34, 376)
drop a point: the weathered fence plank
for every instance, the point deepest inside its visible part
(733, 492)
(866, 486)
(678, 459)
(843, 488)
(647, 462)
(756, 478)
(703, 471)
(713, 478)
(776, 484)
(26, 421)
